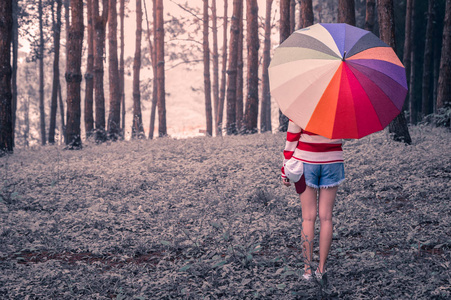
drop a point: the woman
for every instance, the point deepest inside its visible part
(323, 171)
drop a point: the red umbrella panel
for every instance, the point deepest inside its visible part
(337, 81)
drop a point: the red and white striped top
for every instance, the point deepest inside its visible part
(311, 148)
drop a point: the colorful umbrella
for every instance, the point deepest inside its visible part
(337, 80)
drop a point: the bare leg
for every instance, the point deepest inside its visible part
(308, 205)
(326, 204)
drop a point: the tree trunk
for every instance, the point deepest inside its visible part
(232, 68)
(284, 34)
(306, 13)
(240, 75)
(154, 68)
(413, 107)
(100, 22)
(207, 83)
(292, 15)
(214, 30)
(444, 79)
(253, 45)
(56, 72)
(426, 101)
(346, 12)
(122, 66)
(407, 46)
(6, 120)
(265, 110)
(89, 75)
(114, 117)
(222, 88)
(161, 93)
(398, 127)
(15, 53)
(73, 75)
(137, 129)
(369, 18)
(62, 111)
(41, 75)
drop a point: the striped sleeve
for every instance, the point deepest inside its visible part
(293, 135)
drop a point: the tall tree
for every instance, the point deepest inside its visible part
(285, 32)
(154, 68)
(387, 34)
(6, 120)
(114, 117)
(122, 64)
(369, 17)
(265, 110)
(159, 48)
(215, 86)
(73, 75)
(100, 21)
(56, 71)
(207, 82)
(346, 12)
(413, 110)
(15, 53)
(222, 89)
(253, 44)
(426, 100)
(444, 79)
(407, 43)
(232, 67)
(240, 75)
(137, 129)
(306, 12)
(41, 74)
(89, 75)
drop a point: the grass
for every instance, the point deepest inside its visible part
(208, 218)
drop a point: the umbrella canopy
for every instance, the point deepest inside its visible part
(337, 80)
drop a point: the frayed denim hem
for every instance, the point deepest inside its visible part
(314, 186)
(332, 185)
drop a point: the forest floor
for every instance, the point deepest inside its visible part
(208, 218)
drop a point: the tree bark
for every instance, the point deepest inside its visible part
(207, 82)
(41, 75)
(122, 66)
(407, 46)
(114, 117)
(444, 79)
(6, 120)
(346, 12)
(253, 44)
(292, 15)
(73, 75)
(15, 53)
(161, 93)
(265, 110)
(56, 72)
(222, 88)
(398, 127)
(240, 76)
(369, 17)
(306, 13)
(284, 34)
(154, 68)
(137, 129)
(426, 101)
(215, 84)
(100, 22)
(89, 75)
(413, 109)
(232, 68)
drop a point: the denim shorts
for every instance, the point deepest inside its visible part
(324, 175)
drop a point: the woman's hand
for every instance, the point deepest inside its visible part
(286, 181)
